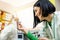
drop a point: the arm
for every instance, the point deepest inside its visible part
(31, 36)
(37, 28)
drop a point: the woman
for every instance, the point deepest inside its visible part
(44, 11)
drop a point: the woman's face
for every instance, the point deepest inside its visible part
(38, 13)
(0, 12)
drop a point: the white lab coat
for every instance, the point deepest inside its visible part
(9, 32)
(54, 33)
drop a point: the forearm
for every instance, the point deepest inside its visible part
(33, 29)
(31, 36)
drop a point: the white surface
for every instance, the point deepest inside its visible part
(17, 3)
(26, 17)
(21, 9)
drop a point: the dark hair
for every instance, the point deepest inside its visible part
(47, 8)
(1, 12)
(36, 20)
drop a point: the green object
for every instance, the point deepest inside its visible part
(31, 36)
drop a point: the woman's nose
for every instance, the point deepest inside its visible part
(36, 14)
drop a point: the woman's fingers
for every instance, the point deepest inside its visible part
(22, 29)
(19, 25)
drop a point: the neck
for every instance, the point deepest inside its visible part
(49, 17)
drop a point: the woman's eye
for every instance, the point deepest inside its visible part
(35, 10)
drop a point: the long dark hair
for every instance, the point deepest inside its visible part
(47, 8)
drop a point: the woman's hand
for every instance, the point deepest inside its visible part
(43, 38)
(20, 27)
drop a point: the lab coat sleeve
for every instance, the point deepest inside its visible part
(31, 36)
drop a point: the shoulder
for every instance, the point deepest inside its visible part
(57, 13)
(41, 25)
